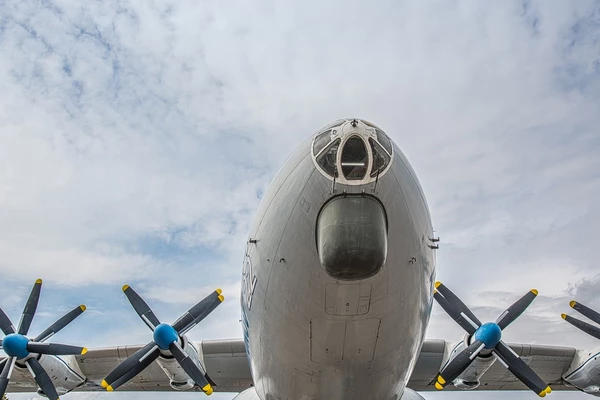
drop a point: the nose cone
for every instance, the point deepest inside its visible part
(352, 237)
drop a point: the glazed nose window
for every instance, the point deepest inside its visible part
(327, 158)
(381, 159)
(355, 159)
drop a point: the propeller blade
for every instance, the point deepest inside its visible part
(455, 302)
(190, 367)
(141, 307)
(584, 326)
(5, 374)
(514, 311)
(55, 349)
(30, 307)
(197, 313)
(148, 351)
(521, 370)
(458, 364)
(61, 323)
(5, 325)
(454, 314)
(41, 377)
(137, 368)
(586, 311)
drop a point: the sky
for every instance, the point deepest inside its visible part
(137, 139)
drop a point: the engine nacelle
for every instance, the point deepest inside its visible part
(469, 379)
(584, 373)
(179, 380)
(64, 373)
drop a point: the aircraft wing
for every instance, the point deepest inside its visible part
(551, 363)
(227, 365)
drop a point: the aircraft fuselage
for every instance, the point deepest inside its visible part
(339, 271)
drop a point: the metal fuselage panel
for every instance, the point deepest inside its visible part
(310, 336)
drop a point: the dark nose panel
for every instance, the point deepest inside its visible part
(352, 237)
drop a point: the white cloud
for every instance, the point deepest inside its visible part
(137, 139)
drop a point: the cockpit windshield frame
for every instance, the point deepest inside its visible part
(373, 159)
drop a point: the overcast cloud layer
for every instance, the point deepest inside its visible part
(137, 139)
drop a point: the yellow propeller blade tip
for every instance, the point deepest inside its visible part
(534, 291)
(572, 303)
(542, 393)
(434, 291)
(125, 287)
(437, 284)
(563, 316)
(83, 307)
(548, 390)
(441, 380)
(207, 389)
(104, 384)
(438, 386)
(219, 291)
(109, 388)
(221, 298)
(38, 281)
(84, 350)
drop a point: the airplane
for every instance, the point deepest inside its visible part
(338, 284)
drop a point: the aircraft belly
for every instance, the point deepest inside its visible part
(311, 336)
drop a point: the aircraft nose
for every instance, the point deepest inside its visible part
(352, 237)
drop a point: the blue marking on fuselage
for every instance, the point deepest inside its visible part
(246, 335)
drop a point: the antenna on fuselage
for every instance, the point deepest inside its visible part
(376, 180)
(335, 174)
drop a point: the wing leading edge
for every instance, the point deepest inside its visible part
(227, 365)
(549, 362)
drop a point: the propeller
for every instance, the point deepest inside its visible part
(486, 338)
(584, 326)
(18, 347)
(166, 340)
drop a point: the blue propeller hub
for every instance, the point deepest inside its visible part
(15, 345)
(489, 333)
(164, 335)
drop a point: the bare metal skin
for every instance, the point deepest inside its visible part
(315, 334)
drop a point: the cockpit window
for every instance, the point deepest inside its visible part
(321, 141)
(384, 140)
(328, 157)
(381, 159)
(355, 159)
(355, 154)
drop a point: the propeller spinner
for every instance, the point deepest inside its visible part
(166, 340)
(18, 347)
(486, 338)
